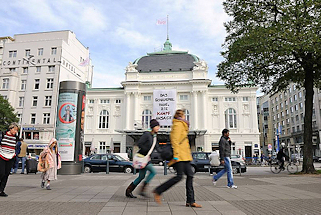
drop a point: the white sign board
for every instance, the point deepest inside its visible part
(66, 149)
(164, 106)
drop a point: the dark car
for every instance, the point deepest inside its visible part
(155, 158)
(98, 162)
(201, 163)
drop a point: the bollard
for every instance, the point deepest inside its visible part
(165, 167)
(134, 172)
(107, 166)
(83, 166)
(240, 171)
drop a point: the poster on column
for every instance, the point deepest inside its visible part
(164, 106)
(66, 125)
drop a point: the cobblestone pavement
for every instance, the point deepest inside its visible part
(104, 194)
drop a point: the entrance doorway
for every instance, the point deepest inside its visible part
(116, 147)
(248, 154)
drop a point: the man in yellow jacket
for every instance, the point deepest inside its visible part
(23, 151)
(182, 158)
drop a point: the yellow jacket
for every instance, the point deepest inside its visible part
(179, 141)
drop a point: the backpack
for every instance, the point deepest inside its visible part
(215, 159)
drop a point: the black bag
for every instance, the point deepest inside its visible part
(166, 151)
(31, 166)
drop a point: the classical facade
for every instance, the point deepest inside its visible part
(32, 66)
(116, 117)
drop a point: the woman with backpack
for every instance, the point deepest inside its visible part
(144, 143)
(182, 158)
(49, 163)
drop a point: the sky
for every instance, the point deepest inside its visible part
(118, 32)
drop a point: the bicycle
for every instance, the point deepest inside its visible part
(275, 167)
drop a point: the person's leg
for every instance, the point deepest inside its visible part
(171, 182)
(133, 185)
(220, 174)
(23, 161)
(228, 166)
(189, 183)
(48, 185)
(16, 165)
(5, 168)
(152, 173)
(141, 176)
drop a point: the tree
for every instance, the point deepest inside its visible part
(272, 43)
(7, 114)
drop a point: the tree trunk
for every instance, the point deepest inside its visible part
(307, 149)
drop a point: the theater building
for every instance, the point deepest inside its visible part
(116, 117)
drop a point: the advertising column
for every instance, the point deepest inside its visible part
(69, 127)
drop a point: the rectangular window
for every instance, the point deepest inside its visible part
(280, 96)
(230, 99)
(51, 68)
(25, 70)
(286, 102)
(104, 101)
(37, 84)
(12, 53)
(117, 101)
(302, 117)
(91, 101)
(54, 51)
(301, 105)
(183, 97)
(276, 99)
(245, 99)
(34, 101)
(296, 107)
(50, 82)
(21, 101)
(102, 147)
(40, 51)
(277, 107)
(5, 83)
(147, 98)
(23, 84)
(19, 115)
(293, 128)
(46, 118)
(294, 88)
(298, 128)
(48, 100)
(33, 118)
(282, 114)
(300, 94)
(287, 112)
(38, 69)
(215, 99)
(278, 116)
(27, 52)
(297, 117)
(292, 109)
(12, 69)
(295, 97)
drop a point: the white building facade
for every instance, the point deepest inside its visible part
(116, 117)
(32, 66)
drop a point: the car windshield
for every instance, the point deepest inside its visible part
(119, 158)
(235, 156)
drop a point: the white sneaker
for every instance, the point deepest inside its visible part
(214, 182)
(234, 186)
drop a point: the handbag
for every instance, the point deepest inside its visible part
(167, 153)
(140, 161)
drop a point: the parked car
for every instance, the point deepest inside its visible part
(156, 158)
(201, 163)
(237, 158)
(316, 159)
(98, 162)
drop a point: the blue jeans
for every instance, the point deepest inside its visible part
(227, 169)
(142, 174)
(23, 161)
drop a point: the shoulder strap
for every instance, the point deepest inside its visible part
(153, 146)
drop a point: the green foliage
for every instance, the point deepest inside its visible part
(271, 43)
(7, 114)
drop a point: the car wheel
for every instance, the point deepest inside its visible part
(235, 170)
(87, 169)
(128, 169)
(194, 169)
(161, 163)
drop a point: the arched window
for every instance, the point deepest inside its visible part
(230, 118)
(146, 117)
(187, 114)
(103, 119)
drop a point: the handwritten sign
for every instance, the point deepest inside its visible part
(164, 106)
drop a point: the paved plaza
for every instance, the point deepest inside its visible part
(98, 193)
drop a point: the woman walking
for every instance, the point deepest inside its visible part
(50, 156)
(7, 155)
(144, 143)
(182, 158)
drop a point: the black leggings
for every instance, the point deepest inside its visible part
(181, 167)
(5, 168)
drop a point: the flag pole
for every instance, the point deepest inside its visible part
(167, 27)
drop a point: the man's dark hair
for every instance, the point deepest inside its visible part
(225, 131)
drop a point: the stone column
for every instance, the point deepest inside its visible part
(204, 110)
(127, 118)
(136, 102)
(195, 112)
